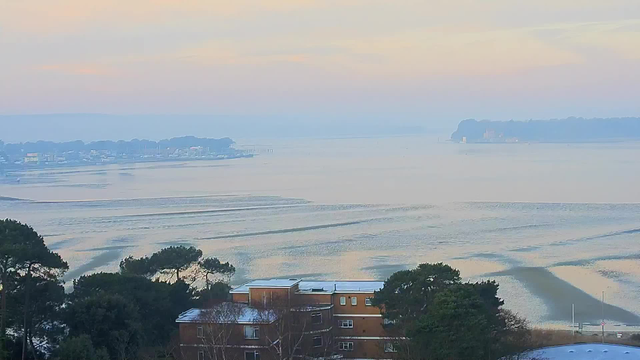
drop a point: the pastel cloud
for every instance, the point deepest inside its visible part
(315, 50)
(623, 38)
(68, 15)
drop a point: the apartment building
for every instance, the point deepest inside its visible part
(283, 318)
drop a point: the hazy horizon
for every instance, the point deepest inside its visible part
(96, 127)
(304, 66)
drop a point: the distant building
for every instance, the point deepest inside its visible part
(489, 134)
(31, 158)
(271, 319)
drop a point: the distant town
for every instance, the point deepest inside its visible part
(49, 154)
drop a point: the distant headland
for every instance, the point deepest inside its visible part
(74, 153)
(570, 130)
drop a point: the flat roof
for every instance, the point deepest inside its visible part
(339, 286)
(269, 283)
(587, 352)
(236, 313)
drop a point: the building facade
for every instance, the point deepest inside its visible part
(289, 318)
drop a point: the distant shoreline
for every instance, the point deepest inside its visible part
(6, 173)
(564, 131)
(48, 154)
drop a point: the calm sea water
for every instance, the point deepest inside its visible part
(555, 225)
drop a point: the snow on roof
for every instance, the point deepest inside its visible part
(270, 283)
(587, 352)
(341, 286)
(304, 308)
(191, 315)
(313, 286)
(227, 313)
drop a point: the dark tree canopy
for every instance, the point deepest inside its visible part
(172, 260)
(25, 263)
(13, 237)
(175, 259)
(158, 303)
(213, 266)
(23, 249)
(140, 267)
(111, 321)
(45, 320)
(459, 325)
(442, 318)
(80, 348)
(213, 294)
(407, 293)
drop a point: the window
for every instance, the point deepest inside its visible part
(251, 355)
(354, 301)
(346, 324)
(367, 301)
(343, 300)
(251, 332)
(390, 348)
(201, 355)
(200, 331)
(317, 341)
(345, 346)
(316, 318)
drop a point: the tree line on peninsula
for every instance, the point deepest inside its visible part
(131, 147)
(560, 130)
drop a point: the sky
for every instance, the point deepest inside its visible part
(428, 63)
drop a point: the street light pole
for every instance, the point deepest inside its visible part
(602, 302)
(573, 320)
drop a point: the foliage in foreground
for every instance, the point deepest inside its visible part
(131, 314)
(442, 318)
(30, 274)
(108, 316)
